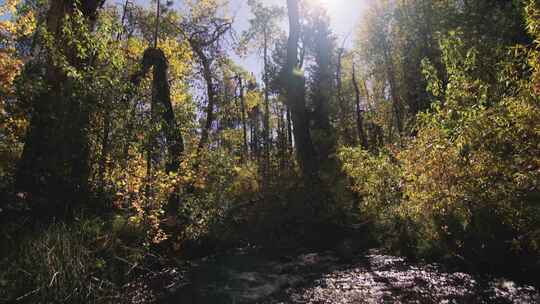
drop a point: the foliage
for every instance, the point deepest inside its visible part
(473, 168)
(85, 261)
(369, 174)
(425, 133)
(377, 179)
(12, 119)
(468, 181)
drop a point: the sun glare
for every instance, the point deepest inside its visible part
(324, 3)
(344, 14)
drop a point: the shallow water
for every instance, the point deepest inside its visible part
(254, 277)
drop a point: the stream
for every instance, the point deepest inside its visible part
(246, 276)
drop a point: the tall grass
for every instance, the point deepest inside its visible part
(81, 262)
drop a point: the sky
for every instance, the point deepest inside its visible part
(344, 15)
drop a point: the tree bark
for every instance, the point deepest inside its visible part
(212, 98)
(323, 132)
(396, 100)
(163, 112)
(359, 119)
(289, 131)
(243, 117)
(266, 135)
(343, 123)
(255, 133)
(54, 166)
(295, 96)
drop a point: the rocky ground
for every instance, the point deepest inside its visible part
(248, 277)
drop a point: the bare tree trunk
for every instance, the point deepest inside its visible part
(289, 130)
(163, 112)
(368, 96)
(396, 100)
(344, 126)
(281, 138)
(266, 130)
(359, 119)
(243, 116)
(212, 100)
(204, 43)
(156, 30)
(255, 139)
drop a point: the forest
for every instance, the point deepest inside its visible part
(157, 152)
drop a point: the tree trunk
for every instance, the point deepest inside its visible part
(295, 96)
(396, 100)
(212, 99)
(255, 138)
(54, 166)
(163, 112)
(343, 121)
(281, 138)
(359, 119)
(243, 116)
(266, 130)
(323, 132)
(289, 131)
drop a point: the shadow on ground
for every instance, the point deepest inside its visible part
(247, 276)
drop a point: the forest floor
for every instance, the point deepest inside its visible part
(247, 276)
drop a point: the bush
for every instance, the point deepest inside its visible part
(471, 175)
(377, 180)
(468, 184)
(371, 173)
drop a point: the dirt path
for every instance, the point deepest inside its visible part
(245, 277)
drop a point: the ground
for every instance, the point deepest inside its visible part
(251, 276)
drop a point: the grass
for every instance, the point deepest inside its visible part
(85, 261)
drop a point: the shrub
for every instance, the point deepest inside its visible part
(471, 176)
(369, 175)
(377, 180)
(468, 184)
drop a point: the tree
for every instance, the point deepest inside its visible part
(54, 164)
(15, 38)
(204, 31)
(296, 98)
(344, 130)
(397, 36)
(359, 115)
(319, 44)
(241, 95)
(264, 28)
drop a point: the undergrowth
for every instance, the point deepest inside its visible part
(84, 261)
